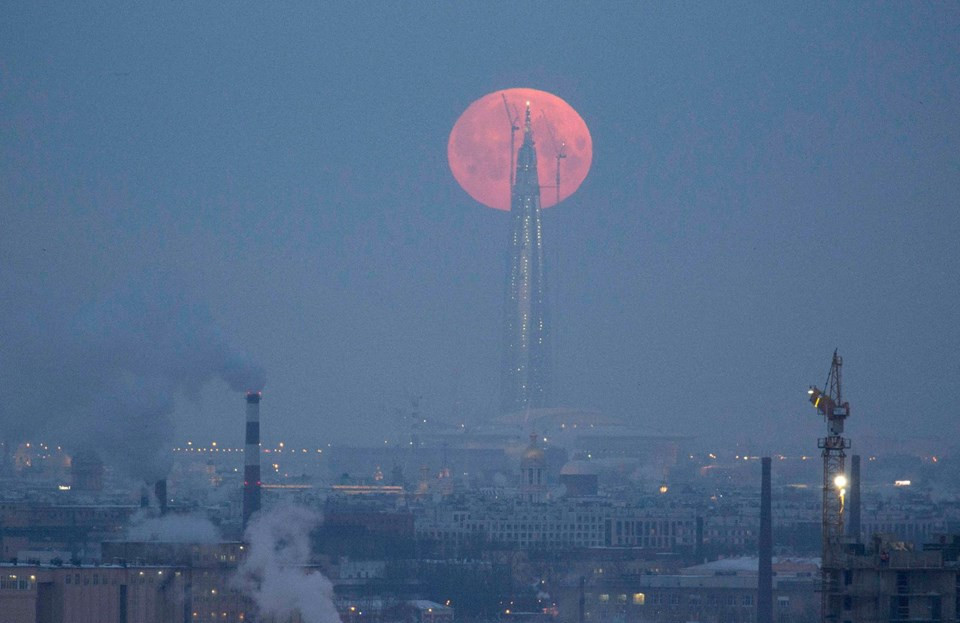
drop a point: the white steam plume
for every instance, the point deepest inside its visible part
(275, 573)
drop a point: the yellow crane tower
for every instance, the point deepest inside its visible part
(829, 403)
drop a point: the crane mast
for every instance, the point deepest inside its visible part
(829, 403)
(559, 149)
(514, 120)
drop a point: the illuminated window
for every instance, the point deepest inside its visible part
(604, 597)
(639, 599)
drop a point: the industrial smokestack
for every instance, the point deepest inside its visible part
(765, 569)
(582, 602)
(160, 491)
(698, 548)
(251, 459)
(853, 526)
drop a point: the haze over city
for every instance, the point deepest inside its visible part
(499, 312)
(768, 183)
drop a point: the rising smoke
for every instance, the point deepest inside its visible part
(106, 374)
(275, 573)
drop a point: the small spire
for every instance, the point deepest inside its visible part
(527, 127)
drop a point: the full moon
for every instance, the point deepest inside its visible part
(479, 147)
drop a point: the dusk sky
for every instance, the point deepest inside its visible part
(184, 182)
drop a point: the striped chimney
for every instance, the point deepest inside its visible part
(251, 459)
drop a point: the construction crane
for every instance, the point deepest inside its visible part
(514, 120)
(830, 404)
(560, 151)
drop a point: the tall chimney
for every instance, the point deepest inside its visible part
(698, 548)
(853, 526)
(251, 459)
(582, 602)
(160, 491)
(765, 568)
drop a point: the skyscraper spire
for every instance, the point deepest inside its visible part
(525, 376)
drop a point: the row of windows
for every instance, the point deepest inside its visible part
(674, 599)
(14, 583)
(96, 579)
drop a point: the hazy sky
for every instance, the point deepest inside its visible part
(769, 182)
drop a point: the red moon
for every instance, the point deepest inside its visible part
(479, 146)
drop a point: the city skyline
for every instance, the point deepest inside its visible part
(770, 183)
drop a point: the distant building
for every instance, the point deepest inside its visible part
(888, 580)
(559, 524)
(724, 591)
(86, 471)
(579, 479)
(533, 473)
(117, 594)
(78, 529)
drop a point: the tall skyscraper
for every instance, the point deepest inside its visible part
(526, 369)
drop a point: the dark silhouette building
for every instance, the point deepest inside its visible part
(525, 379)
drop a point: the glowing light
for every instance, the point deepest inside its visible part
(901, 483)
(840, 481)
(664, 488)
(479, 144)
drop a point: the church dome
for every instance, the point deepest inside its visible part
(578, 468)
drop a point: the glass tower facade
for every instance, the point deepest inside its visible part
(525, 378)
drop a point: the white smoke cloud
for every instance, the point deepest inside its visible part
(275, 573)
